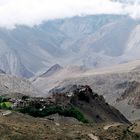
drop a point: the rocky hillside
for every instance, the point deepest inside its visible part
(117, 84)
(12, 84)
(131, 93)
(18, 126)
(89, 103)
(124, 86)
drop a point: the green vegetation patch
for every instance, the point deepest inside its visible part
(6, 105)
(65, 111)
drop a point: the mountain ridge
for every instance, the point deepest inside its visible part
(86, 41)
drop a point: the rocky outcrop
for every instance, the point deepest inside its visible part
(10, 84)
(131, 93)
(89, 103)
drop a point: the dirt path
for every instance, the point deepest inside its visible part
(5, 113)
(111, 125)
(93, 137)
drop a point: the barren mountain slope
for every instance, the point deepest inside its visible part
(12, 84)
(93, 106)
(81, 40)
(111, 82)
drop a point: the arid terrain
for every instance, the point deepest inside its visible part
(69, 69)
(16, 126)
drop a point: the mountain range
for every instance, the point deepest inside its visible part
(89, 41)
(78, 50)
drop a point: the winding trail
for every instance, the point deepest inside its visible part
(106, 127)
(93, 137)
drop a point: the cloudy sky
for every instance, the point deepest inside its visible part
(33, 12)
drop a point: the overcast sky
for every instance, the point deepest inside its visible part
(33, 12)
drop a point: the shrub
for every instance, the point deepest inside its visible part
(6, 105)
(67, 112)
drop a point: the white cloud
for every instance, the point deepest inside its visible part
(31, 12)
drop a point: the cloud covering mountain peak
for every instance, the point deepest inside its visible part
(34, 12)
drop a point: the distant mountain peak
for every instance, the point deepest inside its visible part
(55, 68)
(2, 72)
